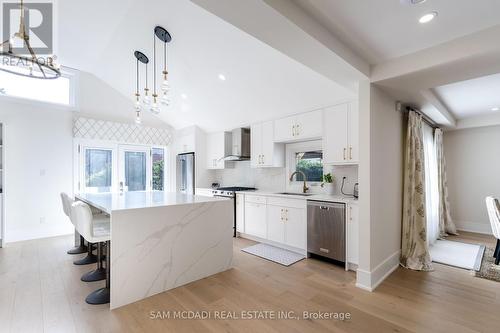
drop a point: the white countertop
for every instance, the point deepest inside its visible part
(316, 197)
(109, 202)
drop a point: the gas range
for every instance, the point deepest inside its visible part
(230, 192)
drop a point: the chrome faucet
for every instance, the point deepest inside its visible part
(304, 188)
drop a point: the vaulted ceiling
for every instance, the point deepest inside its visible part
(261, 83)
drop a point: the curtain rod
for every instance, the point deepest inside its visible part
(425, 118)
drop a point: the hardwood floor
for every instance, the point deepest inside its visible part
(41, 291)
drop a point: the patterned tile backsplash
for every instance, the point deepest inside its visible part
(88, 128)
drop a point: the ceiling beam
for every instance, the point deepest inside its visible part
(282, 25)
(431, 97)
(460, 50)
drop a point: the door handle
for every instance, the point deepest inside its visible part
(350, 153)
(345, 150)
(293, 130)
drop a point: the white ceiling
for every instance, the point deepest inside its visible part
(100, 37)
(385, 29)
(471, 98)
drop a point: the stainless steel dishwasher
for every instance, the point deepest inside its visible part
(326, 229)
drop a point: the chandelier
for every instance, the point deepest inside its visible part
(152, 102)
(26, 65)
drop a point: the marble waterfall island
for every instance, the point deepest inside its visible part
(162, 240)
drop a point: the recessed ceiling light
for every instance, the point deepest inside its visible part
(496, 108)
(222, 77)
(428, 17)
(184, 96)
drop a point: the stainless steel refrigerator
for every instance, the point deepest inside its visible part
(185, 173)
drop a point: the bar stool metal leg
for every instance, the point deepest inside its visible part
(91, 258)
(102, 296)
(82, 248)
(99, 273)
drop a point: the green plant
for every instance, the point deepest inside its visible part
(328, 178)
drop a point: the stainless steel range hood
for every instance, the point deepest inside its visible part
(240, 145)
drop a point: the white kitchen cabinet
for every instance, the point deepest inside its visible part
(353, 132)
(276, 224)
(285, 220)
(218, 146)
(341, 134)
(184, 143)
(255, 219)
(240, 212)
(295, 227)
(305, 126)
(353, 234)
(264, 152)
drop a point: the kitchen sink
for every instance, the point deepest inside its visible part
(294, 193)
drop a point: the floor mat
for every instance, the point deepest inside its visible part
(457, 254)
(272, 253)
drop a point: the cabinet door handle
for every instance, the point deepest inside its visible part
(281, 216)
(298, 129)
(350, 213)
(345, 150)
(293, 130)
(350, 153)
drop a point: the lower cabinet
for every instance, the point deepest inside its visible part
(255, 219)
(353, 234)
(284, 220)
(276, 224)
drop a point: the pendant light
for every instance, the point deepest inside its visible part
(155, 108)
(30, 66)
(140, 58)
(166, 38)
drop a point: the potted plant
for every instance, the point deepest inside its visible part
(328, 183)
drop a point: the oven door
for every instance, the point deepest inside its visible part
(233, 198)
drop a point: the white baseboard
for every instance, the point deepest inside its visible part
(371, 280)
(43, 231)
(480, 228)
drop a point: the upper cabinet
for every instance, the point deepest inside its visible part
(218, 146)
(265, 152)
(305, 126)
(341, 134)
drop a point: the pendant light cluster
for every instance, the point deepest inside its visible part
(152, 101)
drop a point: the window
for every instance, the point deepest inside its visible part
(158, 169)
(135, 170)
(56, 91)
(98, 170)
(311, 164)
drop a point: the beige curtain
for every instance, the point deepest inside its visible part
(414, 248)
(446, 225)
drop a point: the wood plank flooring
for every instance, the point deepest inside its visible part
(41, 291)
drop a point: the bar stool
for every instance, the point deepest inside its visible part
(95, 229)
(67, 201)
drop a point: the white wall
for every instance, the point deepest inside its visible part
(38, 166)
(473, 169)
(381, 179)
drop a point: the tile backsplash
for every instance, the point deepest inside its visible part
(275, 179)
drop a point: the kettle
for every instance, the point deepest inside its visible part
(356, 191)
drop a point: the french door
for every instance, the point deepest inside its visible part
(97, 165)
(135, 168)
(113, 167)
